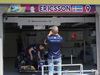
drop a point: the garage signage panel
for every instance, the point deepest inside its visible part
(73, 35)
(52, 8)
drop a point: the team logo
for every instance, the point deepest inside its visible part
(87, 8)
(14, 8)
(54, 37)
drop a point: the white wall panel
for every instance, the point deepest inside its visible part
(90, 19)
(48, 21)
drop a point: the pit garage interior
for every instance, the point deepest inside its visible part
(34, 27)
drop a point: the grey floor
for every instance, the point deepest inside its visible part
(9, 68)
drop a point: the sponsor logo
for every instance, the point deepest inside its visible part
(54, 8)
(54, 37)
(87, 8)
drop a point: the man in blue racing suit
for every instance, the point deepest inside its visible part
(54, 42)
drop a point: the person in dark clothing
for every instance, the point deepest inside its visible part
(32, 52)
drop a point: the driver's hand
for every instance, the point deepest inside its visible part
(50, 33)
(41, 60)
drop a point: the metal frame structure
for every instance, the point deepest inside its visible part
(81, 71)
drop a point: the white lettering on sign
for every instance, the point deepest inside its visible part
(54, 8)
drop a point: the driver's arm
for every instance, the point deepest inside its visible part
(39, 56)
(45, 42)
(30, 52)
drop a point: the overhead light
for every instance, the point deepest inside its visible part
(20, 27)
(54, 17)
(50, 28)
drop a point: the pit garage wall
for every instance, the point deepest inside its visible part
(98, 36)
(10, 44)
(67, 45)
(3, 8)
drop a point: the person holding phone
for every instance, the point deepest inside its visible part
(54, 42)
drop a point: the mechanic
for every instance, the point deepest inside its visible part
(32, 50)
(54, 42)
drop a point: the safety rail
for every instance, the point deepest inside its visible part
(81, 71)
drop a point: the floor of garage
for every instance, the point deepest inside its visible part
(9, 68)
